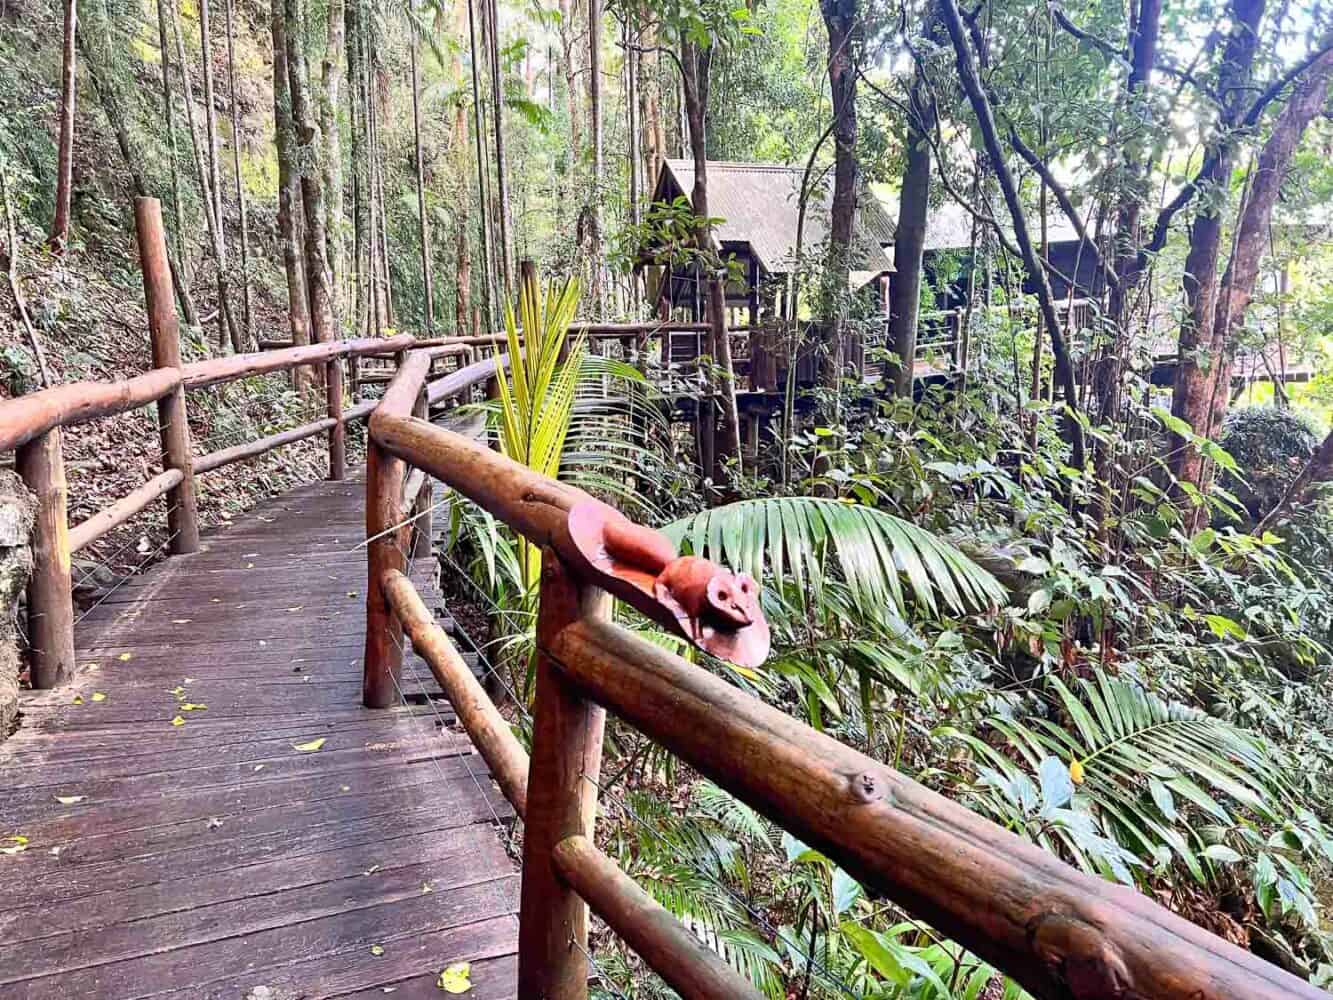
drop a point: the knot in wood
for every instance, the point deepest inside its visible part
(868, 787)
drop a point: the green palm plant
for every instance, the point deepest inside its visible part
(537, 393)
(1148, 768)
(799, 540)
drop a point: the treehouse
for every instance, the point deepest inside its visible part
(762, 228)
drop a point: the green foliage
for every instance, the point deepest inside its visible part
(1271, 445)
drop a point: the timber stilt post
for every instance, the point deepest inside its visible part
(164, 335)
(385, 476)
(565, 768)
(50, 596)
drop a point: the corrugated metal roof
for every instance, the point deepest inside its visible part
(759, 203)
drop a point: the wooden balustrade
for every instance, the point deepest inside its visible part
(1058, 932)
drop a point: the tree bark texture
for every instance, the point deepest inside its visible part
(322, 324)
(236, 165)
(842, 20)
(427, 285)
(65, 151)
(696, 61)
(289, 193)
(910, 239)
(331, 163)
(1199, 358)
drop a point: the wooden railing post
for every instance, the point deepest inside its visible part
(50, 597)
(562, 802)
(384, 519)
(333, 382)
(164, 334)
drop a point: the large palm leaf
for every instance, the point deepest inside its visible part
(1143, 760)
(797, 540)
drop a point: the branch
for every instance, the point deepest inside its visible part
(1087, 37)
(1281, 83)
(1061, 196)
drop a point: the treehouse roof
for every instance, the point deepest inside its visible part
(759, 205)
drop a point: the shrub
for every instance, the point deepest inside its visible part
(1270, 446)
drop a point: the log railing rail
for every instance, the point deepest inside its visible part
(1058, 932)
(32, 426)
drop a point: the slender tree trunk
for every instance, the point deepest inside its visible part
(501, 178)
(462, 284)
(427, 285)
(115, 117)
(654, 129)
(909, 245)
(212, 221)
(226, 322)
(289, 193)
(1237, 288)
(483, 192)
(360, 258)
(1318, 470)
(332, 162)
(1198, 363)
(65, 153)
(594, 209)
(695, 61)
(169, 117)
(381, 202)
(323, 327)
(236, 164)
(1134, 191)
(976, 95)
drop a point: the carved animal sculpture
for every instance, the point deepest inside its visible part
(695, 589)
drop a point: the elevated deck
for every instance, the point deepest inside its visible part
(226, 856)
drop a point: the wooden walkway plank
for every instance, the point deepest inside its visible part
(208, 858)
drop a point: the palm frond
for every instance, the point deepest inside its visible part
(796, 539)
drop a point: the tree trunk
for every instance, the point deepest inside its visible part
(428, 289)
(501, 179)
(1134, 191)
(976, 95)
(65, 154)
(360, 258)
(841, 18)
(909, 244)
(115, 117)
(1194, 381)
(323, 327)
(332, 162)
(169, 117)
(289, 193)
(594, 206)
(226, 324)
(462, 283)
(695, 61)
(1237, 288)
(483, 191)
(1318, 470)
(236, 164)
(212, 221)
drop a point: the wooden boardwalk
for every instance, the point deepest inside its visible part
(226, 856)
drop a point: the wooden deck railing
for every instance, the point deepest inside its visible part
(1058, 932)
(32, 426)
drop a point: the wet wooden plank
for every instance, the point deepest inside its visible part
(204, 859)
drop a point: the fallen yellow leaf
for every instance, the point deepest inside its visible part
(310, 747)
(69, 800)
(78, 699)
(177, 691)
(123, 657)
(98, 696)
(377, 950)
(457, 978)
(1076, 771)
(178, 721)
(191, 706)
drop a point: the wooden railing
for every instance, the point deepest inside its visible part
(32, 426)
(1058, 932)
